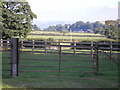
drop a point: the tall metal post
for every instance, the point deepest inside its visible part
(14, 56)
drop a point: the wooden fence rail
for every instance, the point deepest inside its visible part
(74, 46)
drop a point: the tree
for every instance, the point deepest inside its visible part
(52, 28)
(17, 18)
(111, 22)
(59, 27)
(35, 27)
(64, 30)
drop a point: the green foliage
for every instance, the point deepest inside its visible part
(17, 17)
(35, 27)
(111, 29)
(61, 28)
(111, 32)
(77, 26)
(111, 22)
(80, 26)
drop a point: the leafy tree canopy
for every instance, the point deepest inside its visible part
(16, 18)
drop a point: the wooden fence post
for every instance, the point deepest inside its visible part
(74, 49)
(45, 47)
(111, 46)
(21, 45)
(58, 45)
(1, 44)
(59, 56)
(14, 56)
(95, 57)
(7, 43)
(92, 48)
(33, 47)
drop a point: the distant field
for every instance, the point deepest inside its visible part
(87, 37)
(53, 32)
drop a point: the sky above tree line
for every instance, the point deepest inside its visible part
(74, 10)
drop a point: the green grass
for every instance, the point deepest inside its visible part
(69, 37)
(107, 77)
(65, 50)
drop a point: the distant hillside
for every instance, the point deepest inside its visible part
(44, 25)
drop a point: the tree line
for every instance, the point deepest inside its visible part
(109, 29)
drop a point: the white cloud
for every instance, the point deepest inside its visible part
(73, 10)
(68, 4)
(115, 6)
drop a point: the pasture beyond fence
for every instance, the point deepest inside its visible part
(66, 57)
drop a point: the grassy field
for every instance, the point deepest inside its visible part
(69, 37)
(89, 36)
(106, 78)
(53, 32)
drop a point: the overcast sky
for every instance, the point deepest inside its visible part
(74, 10)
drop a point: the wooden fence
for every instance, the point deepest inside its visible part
(4, 45)
(75, 47)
